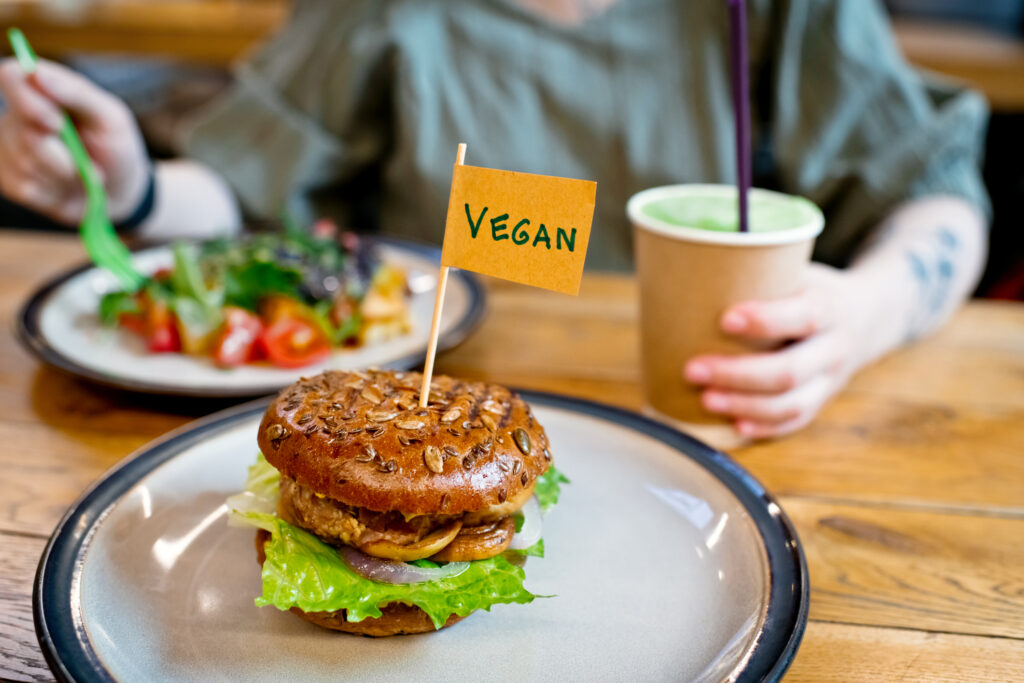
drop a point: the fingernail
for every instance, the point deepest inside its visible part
(734, 321)
(745, 428)
(715, 402)
(698, 373)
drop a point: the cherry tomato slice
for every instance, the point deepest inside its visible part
(161, 329)
(154, 322)
(294, 343)
(135, 322)
(159, 326)
(236, 342)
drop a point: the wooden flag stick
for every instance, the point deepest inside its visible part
(435, 324)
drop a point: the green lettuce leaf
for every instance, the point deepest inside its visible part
(549, 488)
(349, 327)
(302, 571)
(114, 304)
(535, 550)
(186, 278)
(263, 479)
(260, 494)
(247, 283)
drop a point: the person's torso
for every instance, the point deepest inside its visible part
(634, 98)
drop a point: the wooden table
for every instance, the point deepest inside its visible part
(908, 491)
(200, 31)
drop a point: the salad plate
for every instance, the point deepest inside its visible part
(60, 323)
(664, 560)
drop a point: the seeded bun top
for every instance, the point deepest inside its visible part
(361, 438)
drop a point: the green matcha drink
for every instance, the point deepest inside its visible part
(693, 263)
(719, 212)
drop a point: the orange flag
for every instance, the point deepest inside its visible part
(527, 228)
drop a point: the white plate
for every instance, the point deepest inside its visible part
(60, 324)
(666, 561)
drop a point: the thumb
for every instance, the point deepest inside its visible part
(75, 93)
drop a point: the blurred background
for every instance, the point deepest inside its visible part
(165, 57)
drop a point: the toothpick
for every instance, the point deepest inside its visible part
(435, 324)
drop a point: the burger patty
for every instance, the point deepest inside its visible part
(482, 534)
(337, 523)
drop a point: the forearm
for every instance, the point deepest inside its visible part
(191, 201)
(924, 263)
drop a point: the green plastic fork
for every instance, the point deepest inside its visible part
(103, 245)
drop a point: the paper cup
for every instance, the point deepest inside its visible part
(688, 276)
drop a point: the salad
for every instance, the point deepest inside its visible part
(287, 299)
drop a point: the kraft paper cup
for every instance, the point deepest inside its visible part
(688, 276)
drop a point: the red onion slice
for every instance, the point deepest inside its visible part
(393, 571)
(532, 528)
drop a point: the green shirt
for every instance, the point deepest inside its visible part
(355, 109)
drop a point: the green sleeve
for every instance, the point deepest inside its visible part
(307, 112)
(858, 131)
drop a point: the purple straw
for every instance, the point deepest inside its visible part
(740, 103)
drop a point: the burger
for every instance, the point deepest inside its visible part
(378, 516)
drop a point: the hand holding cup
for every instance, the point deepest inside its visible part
(696, 270)
(771, 393)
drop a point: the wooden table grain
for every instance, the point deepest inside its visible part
(907, 491)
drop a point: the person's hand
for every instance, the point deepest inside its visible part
(36, 168)
(772, 393)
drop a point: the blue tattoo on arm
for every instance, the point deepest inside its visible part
(933, 267)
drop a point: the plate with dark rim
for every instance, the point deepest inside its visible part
(59, 323)
(665, 560)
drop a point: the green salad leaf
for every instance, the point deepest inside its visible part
(195, 317)
(186, 278)
(350, 327)
(266, 264)
(114, 304)
(158, 291)
(549, 488)
(245, 284)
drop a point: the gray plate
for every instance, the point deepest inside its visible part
(666, 560)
